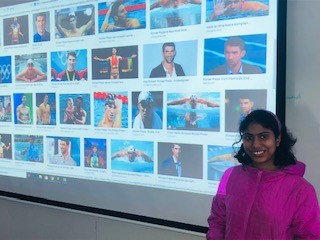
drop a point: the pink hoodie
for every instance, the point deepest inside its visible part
(255, 204)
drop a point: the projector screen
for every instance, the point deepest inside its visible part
(130, 108)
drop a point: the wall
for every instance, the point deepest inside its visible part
(20, 220)
(25, 221)
(303, 83)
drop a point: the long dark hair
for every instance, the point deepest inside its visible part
(284, 155)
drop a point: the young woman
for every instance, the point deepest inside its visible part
(266, 197)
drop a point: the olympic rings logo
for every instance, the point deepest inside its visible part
(5, 71)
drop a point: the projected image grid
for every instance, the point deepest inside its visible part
(151, 90)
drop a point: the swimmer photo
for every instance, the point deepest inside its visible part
(16, 30)
(170, 60)
(75, 109)
(147, 110)
(115, 63)
(180, 160)
(198, 111)
(111, 109)
(95, 153)
(217, 10)
(5, 70)
(5, 146)
(46, 108)
(63, 150)
(239, 103)
(132, 156)
(220, 158)
(75, 22)
(31, 68)
(23, 108)
(174, 13)
(235, 55)
(28, 148)
(69, 65)
(121, 15)
(5, 108)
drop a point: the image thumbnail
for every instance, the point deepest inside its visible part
(75, 22)
(23, 108)
(111, 109)
(95, 153)
(75, 109)
(132, 156)
(220, 158)
(63, 150)
(46, 108)
(218, 10)
(180, 160)
(28, 148)
(69, 65)
(193, 111)
(5, 70)
(16, 30)
(147, 110)
(115, 63)
(173, 13)
(5, 146)
(5, 109)
(41, 27)
(239, 103)
(235, 55)
(31, 67)
(121, 15)
(170, 60)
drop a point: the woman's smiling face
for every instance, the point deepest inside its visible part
(260, 144)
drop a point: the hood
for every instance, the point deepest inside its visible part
(297, 169)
